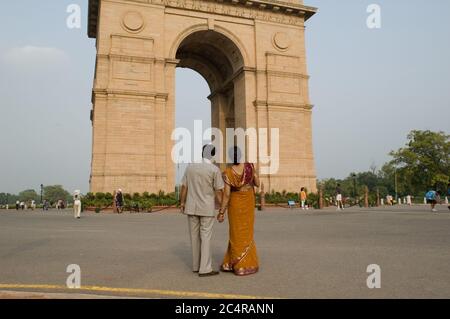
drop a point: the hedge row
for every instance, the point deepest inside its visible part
(134, 201)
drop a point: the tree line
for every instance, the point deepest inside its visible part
(51, 193)
(422, 164)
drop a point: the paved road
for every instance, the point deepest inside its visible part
(302, 254)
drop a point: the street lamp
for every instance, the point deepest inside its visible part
(177, 187)
(395, 184)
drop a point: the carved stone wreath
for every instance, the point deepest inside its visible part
(133, 22)
(281, 41)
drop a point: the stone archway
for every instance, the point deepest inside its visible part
(251, 54)
(219, 60)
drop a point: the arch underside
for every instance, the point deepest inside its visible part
(212, 55)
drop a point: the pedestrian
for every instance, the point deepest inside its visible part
(448, 193)
(389, 199)
(77, 204)
(303, 197)
(340, 205)
(431, 197)
(408, 200)
(33, 204)
(201, 183)
(119, 201)
(22, 205)
(17, 205)
(46, 205)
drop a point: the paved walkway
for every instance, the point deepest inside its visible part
(303, 254)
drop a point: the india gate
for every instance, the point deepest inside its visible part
(250, 52)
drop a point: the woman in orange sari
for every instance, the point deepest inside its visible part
(239, 197)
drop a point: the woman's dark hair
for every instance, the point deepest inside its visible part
(302, 189)
(235, 154)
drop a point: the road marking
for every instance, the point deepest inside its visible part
(134, 291)
(61, 230)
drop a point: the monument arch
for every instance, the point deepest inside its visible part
(252, 55)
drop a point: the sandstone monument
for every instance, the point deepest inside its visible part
(252, 55)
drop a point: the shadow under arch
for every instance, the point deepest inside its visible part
(204, 27)
(221, 61)
(215, 54)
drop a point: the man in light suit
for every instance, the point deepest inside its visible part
(201, 183)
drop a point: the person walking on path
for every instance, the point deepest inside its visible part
(431, 197)
(118, 200)
(408, 200)
(340, 205)
(303, 197)
(77, 204)
(448, 194)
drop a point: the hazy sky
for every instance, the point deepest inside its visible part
(369, 87)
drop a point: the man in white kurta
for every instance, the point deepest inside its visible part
(77, 204)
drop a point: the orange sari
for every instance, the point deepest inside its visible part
(241, 256)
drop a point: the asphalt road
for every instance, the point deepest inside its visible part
(303, 254)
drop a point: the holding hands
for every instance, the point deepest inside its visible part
(221, 216)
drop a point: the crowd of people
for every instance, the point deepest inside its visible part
(46, 205)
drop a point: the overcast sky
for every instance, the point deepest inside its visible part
(369, 87)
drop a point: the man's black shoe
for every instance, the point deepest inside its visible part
(212, 273)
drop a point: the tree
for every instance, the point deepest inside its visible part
(7, 198)
(424, 162)
(55, 193)
(28, 195)
(386, 179)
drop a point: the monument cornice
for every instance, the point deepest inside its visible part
(282, 105)
(133, 94)
(274, 10)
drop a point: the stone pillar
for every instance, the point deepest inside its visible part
(366, 197)
(219, 115)
(378, 197)
(321, 197)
